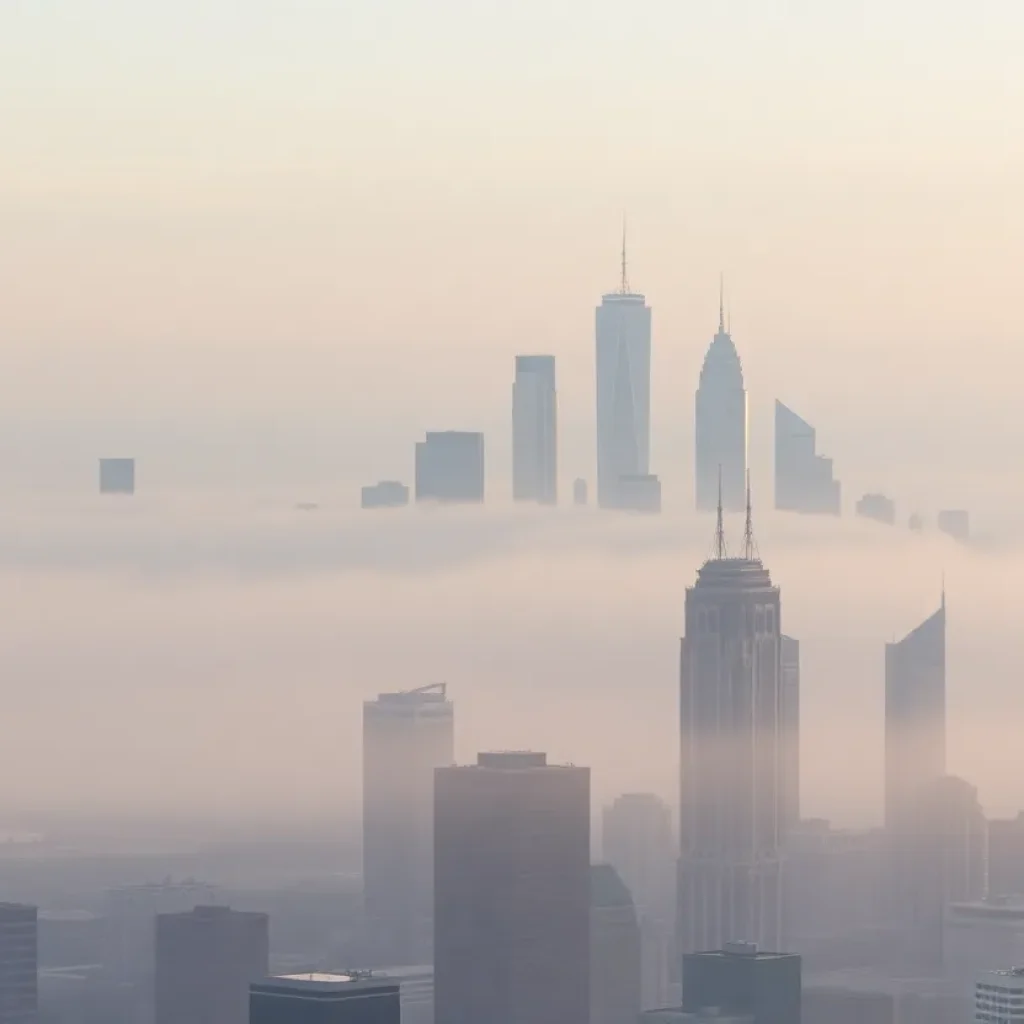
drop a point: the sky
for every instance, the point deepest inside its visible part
(262, 246)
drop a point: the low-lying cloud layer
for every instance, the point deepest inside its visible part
(215, 656)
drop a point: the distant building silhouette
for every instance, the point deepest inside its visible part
(789, 736)
(1006, 858)
(803, 479)
(385, 494)
(450, 467)
(205, 961)
(117, 476)
(980, 933)
(325, 999)
(615, 974)
(956, 523)
(19, 964)
(741, 979)
(579, 491)
(733, 746)
(915, 716)
(721, 425)
(636, 838)
(640, 493)
(877, 507)
(512, 892)
(535, 431)
(405, 737)
(623, 354)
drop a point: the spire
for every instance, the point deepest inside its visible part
(943, 602)
(721, 304)
(624, 286)
(750, 552)
(720, 550)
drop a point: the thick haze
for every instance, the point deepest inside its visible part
(262, 246)
(215, 656)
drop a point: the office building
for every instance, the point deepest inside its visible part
(117, 476)
(640, 493)
(512, 892)
(956, 523)
(325, 999)
(579, 491)
(1006, 857)
(732, 752)
(405, 737)
(803, 478)
(205, 961)
(789, 728)
(741, 979)
(615, 973)
(982, 933)
(385, 494)
(636, 838)
(535, 431)
(877, 507)
(999, 997)
(721, 425)
(623, 363)
(915, 714)
(19, 964)
(450, 467)
(415, 989)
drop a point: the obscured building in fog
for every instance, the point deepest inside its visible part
(877, 507)
(981, 933)
(206, 959)
(721, 425)
(741, 979)
(325, 999)
(416, 991)
(639, 493)
(623, 373)
(512, 892)
(637, 840)
(1006, 857)
(385, 494)
(956, 523)
(615, 974)
(803, 478)
(450, 467)
(117, 476)
(579, 491)
(19, 964)
(406, 736)
(535, 431)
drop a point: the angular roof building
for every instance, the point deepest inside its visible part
(803, 479)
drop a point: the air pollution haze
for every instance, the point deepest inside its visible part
(213, 655)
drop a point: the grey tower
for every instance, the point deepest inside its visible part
(19, 964)
(534, 431)
(405, 737)
(915, 715)
(731, 800)
(721, 424)
(615, 973)
(512, 892)
(803, 478)
(789, 722)
(623, 349)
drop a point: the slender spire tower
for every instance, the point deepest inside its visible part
(721, 304)
(720, 548)
(750, 552)
(624, 284)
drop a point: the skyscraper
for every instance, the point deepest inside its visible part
(534, 431)
(721, 424)
(205, 961)
(731, 796)
(405, 737)
(803, 478)
(915, 714)
(450, 467)
(636, 838)
(19, 964)
(512, 892)
(623, 348)
(789, 727)
(741, 979)
(615, 975)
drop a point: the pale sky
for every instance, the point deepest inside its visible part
(225, 220)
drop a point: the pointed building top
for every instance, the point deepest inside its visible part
(721, 304)
(624, 284)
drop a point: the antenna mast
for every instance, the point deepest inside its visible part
(721, 303)
(720, 550)
(624, 285)
(750, 552)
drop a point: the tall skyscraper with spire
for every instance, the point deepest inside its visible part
(721, 423)
(733, 747)
(623, 349)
